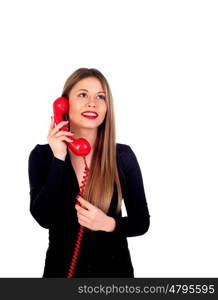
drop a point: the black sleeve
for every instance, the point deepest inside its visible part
(137, 220)
(45, 182)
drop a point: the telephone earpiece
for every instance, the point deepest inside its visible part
(79, 146)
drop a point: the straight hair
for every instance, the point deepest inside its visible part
(103, 176)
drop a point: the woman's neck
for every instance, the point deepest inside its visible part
(90, 136)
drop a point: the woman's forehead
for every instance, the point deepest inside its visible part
(91, 84)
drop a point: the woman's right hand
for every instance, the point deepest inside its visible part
(56, 139)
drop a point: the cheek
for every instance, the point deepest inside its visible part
(103, 110)
(74, 108)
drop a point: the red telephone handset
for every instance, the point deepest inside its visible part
(80, 147)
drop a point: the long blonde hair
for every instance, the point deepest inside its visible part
(103, 173)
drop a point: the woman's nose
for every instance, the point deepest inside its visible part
(91, 102)
(91, 105)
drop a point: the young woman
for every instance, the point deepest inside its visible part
(55, 176)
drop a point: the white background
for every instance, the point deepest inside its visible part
(160, 58)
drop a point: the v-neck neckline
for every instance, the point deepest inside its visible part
(72, 168)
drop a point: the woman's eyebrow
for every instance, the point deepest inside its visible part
(87, 91)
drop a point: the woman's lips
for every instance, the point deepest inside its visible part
(90, 117)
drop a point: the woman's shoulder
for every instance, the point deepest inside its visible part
(123, 149)
(126, 156)
(42, 150)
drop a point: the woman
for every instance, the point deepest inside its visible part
(55, 175)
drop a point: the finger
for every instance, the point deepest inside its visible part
(62, 132)
(84, 221)
(82, 224)
(83, 202)
(61, 124)
(64, 138)
(82, 217)
(58, 127)
(84, 212)
(51, 126)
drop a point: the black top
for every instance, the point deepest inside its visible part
(53, 187)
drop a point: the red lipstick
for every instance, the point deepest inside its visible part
(89, 114)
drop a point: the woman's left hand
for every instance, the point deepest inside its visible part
(92, 217)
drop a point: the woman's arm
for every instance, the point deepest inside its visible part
(137, 221)
(45, 180)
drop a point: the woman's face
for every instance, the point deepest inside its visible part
(87, 95)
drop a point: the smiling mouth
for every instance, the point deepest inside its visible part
(90, 114)
(90, 117)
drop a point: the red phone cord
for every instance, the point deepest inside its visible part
(80, 234)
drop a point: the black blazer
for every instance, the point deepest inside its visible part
(53, 187)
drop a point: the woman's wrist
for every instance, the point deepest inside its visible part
(110, 225)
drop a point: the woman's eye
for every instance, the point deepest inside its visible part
(102, 96)
(82, 94)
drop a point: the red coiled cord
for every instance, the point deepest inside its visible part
(80, 234)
